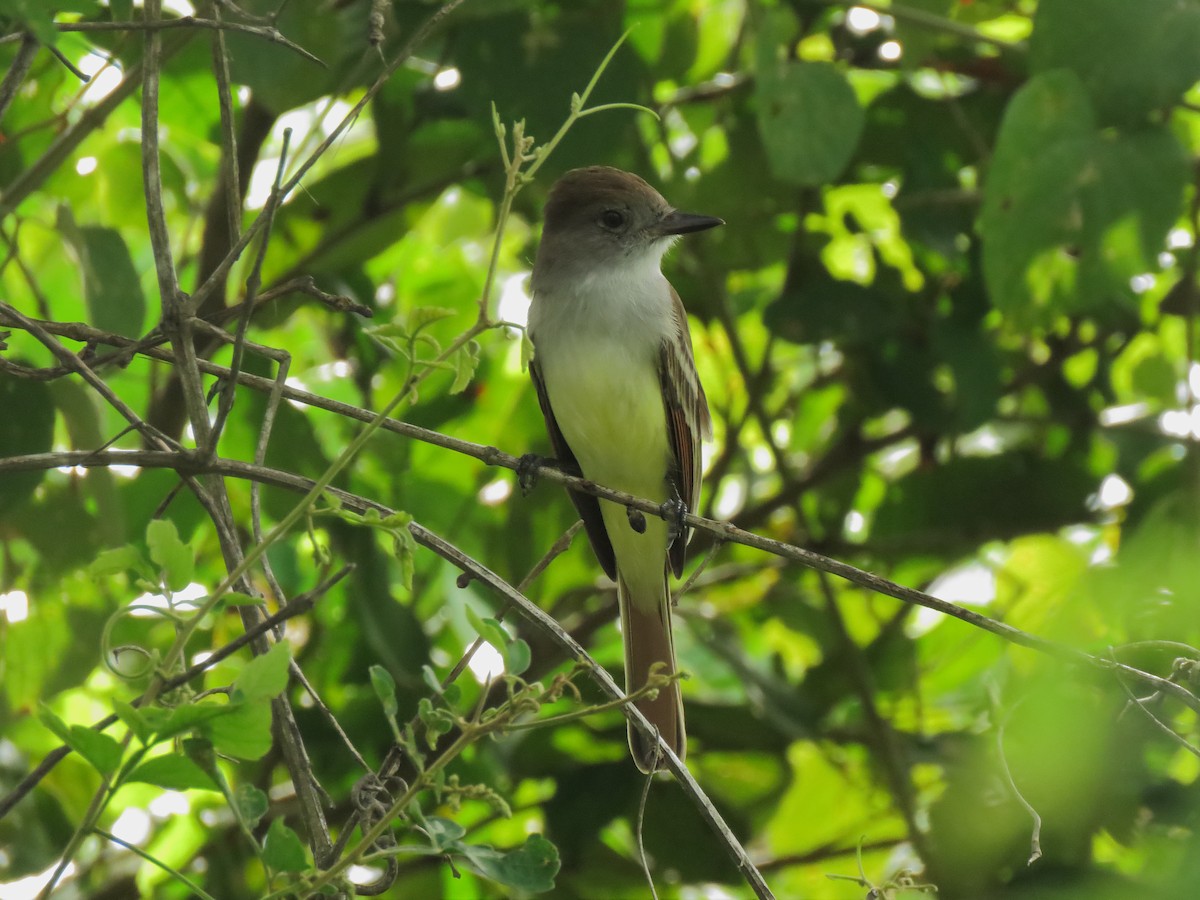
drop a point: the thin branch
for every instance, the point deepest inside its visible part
(17, 71)
(493, 456)
(266, 32)
(160, 240)
(1035, 839)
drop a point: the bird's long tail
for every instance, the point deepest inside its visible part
(646, 626)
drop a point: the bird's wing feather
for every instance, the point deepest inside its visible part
(688, 420)
(586, 505)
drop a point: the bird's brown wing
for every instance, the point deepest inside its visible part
(688, 420)
(587, 506)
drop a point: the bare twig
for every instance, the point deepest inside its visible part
(266, 32)
(17, 71)
(1035, 838)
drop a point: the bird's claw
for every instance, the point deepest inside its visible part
(673, 512)
(637, 521)
(527, 471)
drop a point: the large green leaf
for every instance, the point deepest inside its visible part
(26, 426)
(1071, 213)
(970, 500)
(1132, 58)
(809, 119)
(111, 284)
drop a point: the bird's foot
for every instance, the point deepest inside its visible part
(637, 521)
(673, 512)
(527, 471)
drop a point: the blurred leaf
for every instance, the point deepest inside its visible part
(281, 78)
(173, 772)
(173, 556)
(465, 361)
(517, 657)
(1070, 213)
(27, 426)
(1131, 65)
(385, 689)
(243, 730)
(103, 752)
(265, 676)
(530, 867)
(442, 832)
(810, 121)
(111, 284)
(117, 559)
(134, 721)
(283, 850)
(34, 16)
(970, 500)
(252, 803)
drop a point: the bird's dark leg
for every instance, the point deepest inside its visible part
(673, 512)
(529, 464)
(527, 471)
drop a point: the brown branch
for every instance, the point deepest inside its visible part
(17, 71)
(266, 32)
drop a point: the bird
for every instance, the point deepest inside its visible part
(616, 381)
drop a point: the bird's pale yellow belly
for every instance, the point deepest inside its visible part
(609, 407)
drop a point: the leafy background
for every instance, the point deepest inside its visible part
(948, 336)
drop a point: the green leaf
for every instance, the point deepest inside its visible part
(426, 315)
(1131, 60)
(54, 722)
(99, 749)
(442, 832)
(1012, 493)
(283, 850)
(34, 16)
(1071, 213)
(103, 752)
(489, 629)
(26, 426)
(810, 121)
(115, 560)
(167, 723)
(465, 362)
(530, 867)
(404, 547)
(252, 803)
(233, 598)
(265, 676)
(436, 721)
(385, 689)
(111, 285)
(172, 555)
(133, 720)
(517, 657)
(174, 772)
(243, 732)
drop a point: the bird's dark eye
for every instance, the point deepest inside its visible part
(612, 219)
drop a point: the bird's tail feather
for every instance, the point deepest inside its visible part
(648, 640)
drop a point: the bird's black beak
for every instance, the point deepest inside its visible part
(676, 222)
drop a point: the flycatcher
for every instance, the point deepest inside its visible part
(618, 388)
